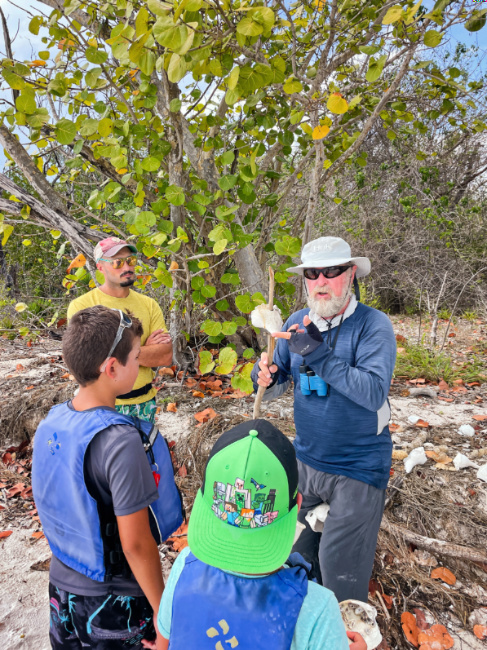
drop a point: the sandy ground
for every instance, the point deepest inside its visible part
(24, 608)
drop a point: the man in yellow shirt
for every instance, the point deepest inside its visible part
(116, 259)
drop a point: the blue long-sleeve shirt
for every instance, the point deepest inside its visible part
(346, 432)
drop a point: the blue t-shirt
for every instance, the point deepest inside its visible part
(319, 625)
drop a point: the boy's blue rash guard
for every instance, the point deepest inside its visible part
(346, 432)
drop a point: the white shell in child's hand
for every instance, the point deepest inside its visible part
(416, 457)
(316, 517)
(461, 462)
(360, 617)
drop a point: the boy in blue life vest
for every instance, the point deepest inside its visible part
(104, 489)
(236, 585)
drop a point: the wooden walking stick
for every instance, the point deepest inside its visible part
(271, 342)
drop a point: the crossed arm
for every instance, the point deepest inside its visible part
(157, 350)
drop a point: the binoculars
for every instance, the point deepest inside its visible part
(309, 382)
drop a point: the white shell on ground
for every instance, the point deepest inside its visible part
(461, 462)
(482, 473)
(360, 617)
(416, 457)
(413, 419)
(316, 517)
(269, 319)
(466, 430)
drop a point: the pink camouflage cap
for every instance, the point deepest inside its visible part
(110, 246)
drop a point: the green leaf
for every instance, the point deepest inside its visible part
(375, 68)
(292, 85)
(93, 55)
(175, 195)
(248, 27)
(88, 127)
(248, 353)
(288, 246)
(14, 80)
(91, 77)
(105, 127)
(241, 380)
(227, 182)
(177, 68)
(220, 246)
(205, 362)
(393, 14)
(232, 96)
(227, 360)
(208, 291)
(211, 327)
(369, 49)
(432, 38)
(175, 105)
(38, 118)
(232, 78)
(65, 131)
(229, 328)
(147, 62)
(230, 278)
(144, 221)
(197, 282)
(26, 103)
(35, 24)
(221, 305)
(476, 21)
(228, 157)
(151, 164)
(159, 8)
(245, 303)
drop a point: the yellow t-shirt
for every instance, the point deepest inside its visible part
(142, 307)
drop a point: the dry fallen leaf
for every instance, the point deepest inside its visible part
(444, 574)
(174, 266)
(443, 385)
(480, 631)
(7, 533)
(422, 423)
(439, 457)
(198, 393)
(171, 407)
(410, 628)
(19, 367)
(479, 417)
(437, 637)
(394, 427)
(204, 416)
(399, 454)
(166, 372)
(38, 534)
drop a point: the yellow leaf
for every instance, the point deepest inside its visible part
(37, 63)
(319, 132)
(124, 170)
(337, 104)
(393, 15)
(78, 262)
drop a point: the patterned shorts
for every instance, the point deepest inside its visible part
(144, 411)
(106, 622)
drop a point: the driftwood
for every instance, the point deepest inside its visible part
(427, 392)
(435, 545)
(271, 342)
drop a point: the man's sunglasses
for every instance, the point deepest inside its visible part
(118, 262)
(329, 272)
(125, 322)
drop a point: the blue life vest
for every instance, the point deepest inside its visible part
(212, 609)
(81, 532)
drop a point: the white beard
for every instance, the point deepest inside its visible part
(331, 307)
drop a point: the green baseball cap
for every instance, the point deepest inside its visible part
(244, 516)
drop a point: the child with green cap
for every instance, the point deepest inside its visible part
(236, 585)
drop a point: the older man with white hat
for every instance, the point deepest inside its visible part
(340, 356)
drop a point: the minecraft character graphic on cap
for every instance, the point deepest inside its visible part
(235, 504)
(231, 513)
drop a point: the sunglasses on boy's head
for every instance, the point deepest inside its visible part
(330, 272)
(118, 262)
(125, 321)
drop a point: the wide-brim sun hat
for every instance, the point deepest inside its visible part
(244, 516)
(330, 251)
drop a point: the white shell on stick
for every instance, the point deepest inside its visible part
(416, 457)
(461, 462)
(269, 319)
(360, 617)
